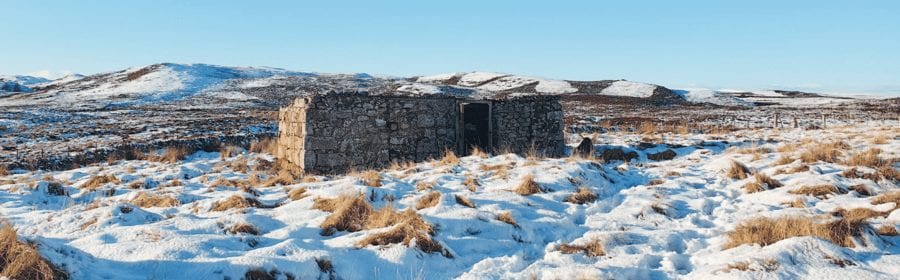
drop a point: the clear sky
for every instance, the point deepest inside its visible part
(826, 46)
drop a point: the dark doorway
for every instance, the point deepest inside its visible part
(476, 129)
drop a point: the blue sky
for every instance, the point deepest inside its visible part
(827, 46)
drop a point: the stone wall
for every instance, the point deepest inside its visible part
(338, 132)
(529, 123)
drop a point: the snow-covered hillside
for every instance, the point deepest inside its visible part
(215, 216)
(702, 95)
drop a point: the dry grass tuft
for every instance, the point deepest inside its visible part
(242, 227)
(369, 178)
(866, 158)
(407, 228)
(782, 160)
(861, 190)
(788, 148)
(349, 213)
(171, 155)
(820, 191)
(582, 196)
(145, 200)
(827, 152)
(500, 170)
(859, 214)
(4, 171)
(507, 217)
(284, 178)
(98, 181)
(235, 201)
(766, 231)
(471, 183)
(797, 203)
(19, 260)
(762, 182)
(429, 200)
(476, 151)
(528, 186)
(264, 145)
(887, 230)
(462, 200)
(737, 171)
(449, 158)
(594, 248)
(880, 139)
(297, 193)
(888, 198)
(421, 186)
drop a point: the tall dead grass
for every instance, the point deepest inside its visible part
(766, 231)
(429, 200)
(527, 186)
(762, 182)
(99, 181)
(824, 151)
(146, 199)
(236, 202)
(349, 213)
(19, 260)
(369, 178)
(737, 171)
(819, 191)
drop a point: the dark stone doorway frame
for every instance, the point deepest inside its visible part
(475, 126)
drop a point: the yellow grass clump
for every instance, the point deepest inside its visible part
(528, 186)
(429, 200)
(737, 171)
(19, 260)
(880, 139)
(297, 193)
(827, 152)
(4, 171)
(406, 228)
(369, 178)
(171, 155)
(421, 186)
(594, 248)
(762, 182)
(887, 230)
(449, 158)
(471, 183)
(866, 158)
(820, 191)
(264, 145)
(499, 170)
(349, 213)
(283, 178)
(464, 201)
(98, 181)
(146, 199)
(582, 196)
(235, 202)
(507, 217)
(766, 231)
(859, 214)
(891, 197)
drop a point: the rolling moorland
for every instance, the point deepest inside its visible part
(167, 172)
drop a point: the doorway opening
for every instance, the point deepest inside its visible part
(476, 127)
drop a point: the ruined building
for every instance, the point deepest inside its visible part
(333, 133)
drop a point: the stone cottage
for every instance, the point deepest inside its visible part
(334, 133)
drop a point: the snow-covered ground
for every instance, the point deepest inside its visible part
(654, 219)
